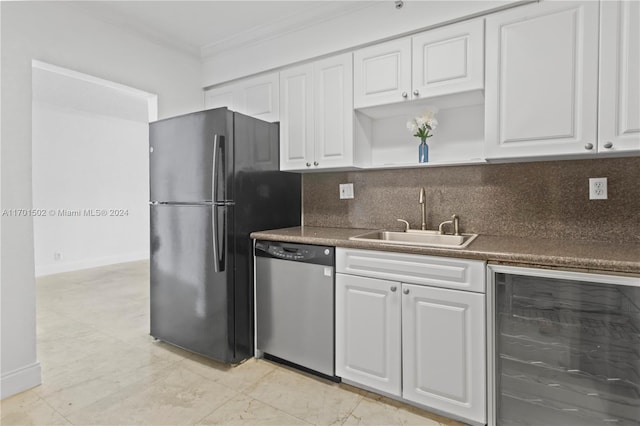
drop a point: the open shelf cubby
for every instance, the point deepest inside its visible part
(382, 137)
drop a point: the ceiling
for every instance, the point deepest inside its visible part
(204, 28)
(201, 28)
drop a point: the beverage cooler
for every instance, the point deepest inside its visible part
(564, 348)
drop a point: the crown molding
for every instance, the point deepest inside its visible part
(286, 25)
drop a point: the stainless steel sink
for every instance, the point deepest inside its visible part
(417, 238)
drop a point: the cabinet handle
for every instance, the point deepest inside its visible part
(588, 146)
(315, 163)
(308, 164)
(608, 145)
(405, 291)
(393, 288)
(416, 93)
(405, 94)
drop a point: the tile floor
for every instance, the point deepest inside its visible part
(100, 367)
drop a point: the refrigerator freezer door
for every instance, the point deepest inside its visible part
(183, 154)
(191, 303)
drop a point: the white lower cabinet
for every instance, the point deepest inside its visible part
(443, 350)
(423, 341)
(368, 349)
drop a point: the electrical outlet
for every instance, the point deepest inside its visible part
(346, 191)
(598, 188)
(57, 256)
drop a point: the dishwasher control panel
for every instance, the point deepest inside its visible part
(319, 255)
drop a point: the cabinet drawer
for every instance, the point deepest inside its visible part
(446, 272)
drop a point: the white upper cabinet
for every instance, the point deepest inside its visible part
(221, 96)
(382, 73)
(619, 111)
(333, 101)
(438, 62)
(542, 80)
(257, 97)
(449, 60)
(296, 113)
(316, 115)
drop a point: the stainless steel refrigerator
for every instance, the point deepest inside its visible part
(214, 179)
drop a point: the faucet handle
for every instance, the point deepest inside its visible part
(406, 224)
(456, 224)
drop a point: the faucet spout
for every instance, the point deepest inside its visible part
(423, 208)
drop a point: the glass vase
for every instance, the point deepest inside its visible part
(423, 151)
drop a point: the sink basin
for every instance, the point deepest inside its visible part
(417, 238)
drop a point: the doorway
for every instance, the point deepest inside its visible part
(90, 170)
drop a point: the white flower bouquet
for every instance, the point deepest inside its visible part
(423, 124)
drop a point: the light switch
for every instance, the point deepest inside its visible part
(346, 191)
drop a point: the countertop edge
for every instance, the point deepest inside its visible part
(518, 258)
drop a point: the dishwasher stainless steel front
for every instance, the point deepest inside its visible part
(295, 304)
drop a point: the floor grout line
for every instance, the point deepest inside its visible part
(267, 403)
(217, 408)
(54, 409)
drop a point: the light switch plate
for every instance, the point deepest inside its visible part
(346, 191)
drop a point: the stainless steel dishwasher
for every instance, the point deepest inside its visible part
(295, 305)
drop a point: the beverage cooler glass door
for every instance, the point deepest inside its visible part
(564, 348)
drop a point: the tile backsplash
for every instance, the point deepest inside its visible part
(539, 199)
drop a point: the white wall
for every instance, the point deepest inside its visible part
(87, 161)
(53, 32)
(359, 27)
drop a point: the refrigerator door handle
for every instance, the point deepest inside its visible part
(218, 252)
(218, 166)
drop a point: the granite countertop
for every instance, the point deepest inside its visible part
(592, 256)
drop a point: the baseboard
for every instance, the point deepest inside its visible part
(59, 267)
(20, 380)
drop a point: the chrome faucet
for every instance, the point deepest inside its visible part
(423, 208)
(454, 222)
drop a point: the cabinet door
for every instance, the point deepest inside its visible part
(333, 92)
(443, 347)
(449, 60)
(220, 97)
(258, 97)
(542, 80)
(296, 118)
(368, 332)
(619, 77)
(382, 73)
